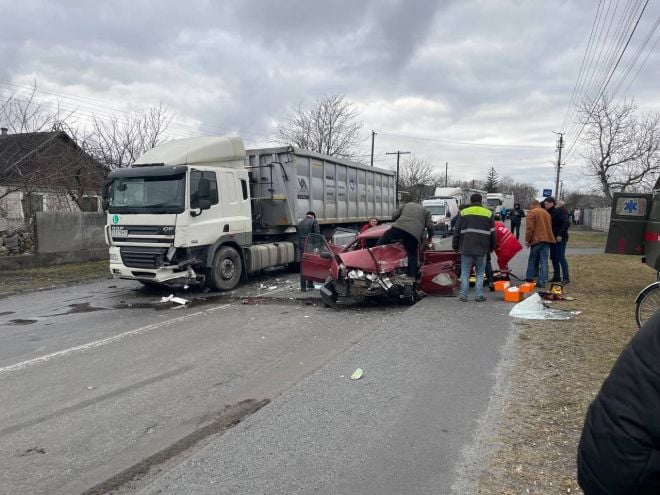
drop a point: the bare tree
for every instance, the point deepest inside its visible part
(331, 127)
(119, 141)
(42, 153)
(523, 193)
(417, 178)
(623, 148)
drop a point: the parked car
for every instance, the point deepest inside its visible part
(361, 270)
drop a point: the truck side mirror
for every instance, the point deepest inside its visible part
(105, 204)
(204, 204)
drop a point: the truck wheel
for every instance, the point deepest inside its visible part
(227, 268)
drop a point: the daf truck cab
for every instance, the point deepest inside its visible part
(180, 213)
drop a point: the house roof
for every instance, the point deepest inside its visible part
(16, 148)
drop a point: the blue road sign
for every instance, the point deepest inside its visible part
(547, 193)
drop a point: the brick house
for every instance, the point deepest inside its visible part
(45, 171)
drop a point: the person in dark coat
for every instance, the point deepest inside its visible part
(619, 450)
(410, 222)
(560, 225)
(516, 215)
(308, 225)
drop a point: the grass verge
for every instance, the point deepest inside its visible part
(48, 277)
(559, 367)
(586, 238)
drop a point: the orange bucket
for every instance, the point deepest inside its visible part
(502, 285)
(527, 286)
(513, 295)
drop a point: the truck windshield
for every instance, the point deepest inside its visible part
(437, 209)
(493, 202)
(164, 194)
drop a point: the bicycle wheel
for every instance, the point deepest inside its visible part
(647, 303)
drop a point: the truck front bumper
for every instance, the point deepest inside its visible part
(162, 275)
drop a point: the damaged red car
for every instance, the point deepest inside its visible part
(361, 270)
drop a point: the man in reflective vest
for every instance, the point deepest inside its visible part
(474, 237)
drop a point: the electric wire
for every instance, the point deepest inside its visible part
(596, 100)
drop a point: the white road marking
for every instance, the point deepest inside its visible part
(106, 341)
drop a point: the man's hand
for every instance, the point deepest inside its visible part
(558, 238)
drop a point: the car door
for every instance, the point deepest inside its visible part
(317, 259)
(630, 213)
(438, 275)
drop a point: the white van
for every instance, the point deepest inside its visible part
(442, 209)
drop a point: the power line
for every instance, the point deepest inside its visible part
(463, 143)
(596, 100)
(580, 72)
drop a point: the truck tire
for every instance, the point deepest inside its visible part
(226, 270)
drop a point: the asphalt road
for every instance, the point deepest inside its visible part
(105, 388)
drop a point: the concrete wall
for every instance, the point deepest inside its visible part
(596, 218)
(69, 231)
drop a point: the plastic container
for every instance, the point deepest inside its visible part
(502, 285)
(527, 287)
(512, 294)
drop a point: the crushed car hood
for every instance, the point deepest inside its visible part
(379, 259)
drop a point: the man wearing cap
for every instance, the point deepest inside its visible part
(539, 238)
(474, 237)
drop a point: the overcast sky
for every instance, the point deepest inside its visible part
(424, 75)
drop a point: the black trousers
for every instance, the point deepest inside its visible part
(515, 229)
(410, 243)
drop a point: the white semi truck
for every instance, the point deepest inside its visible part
(495, 201)
(206, 211)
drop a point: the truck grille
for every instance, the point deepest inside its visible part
(145, 234)
(142, 257)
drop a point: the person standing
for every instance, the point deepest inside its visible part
(474, 238)
(410, 221)
(503, 213)
(516, 215)
(539, 238)
(619, 449)
(576, 216)
(560, 225)
(308, 225)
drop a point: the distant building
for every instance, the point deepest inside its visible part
(45, 171)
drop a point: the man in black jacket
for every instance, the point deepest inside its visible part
(560, 225)
(308, 225)
(516, 215)
(474, 237)
(619, 451)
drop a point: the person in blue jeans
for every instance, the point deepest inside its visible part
(539, 238)
(560, 225)
(474, 237)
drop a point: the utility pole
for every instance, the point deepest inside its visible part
(398, 156)
(560, 145)
(446, 176)
(373, 137)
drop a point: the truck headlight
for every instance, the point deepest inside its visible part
(115, 257)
